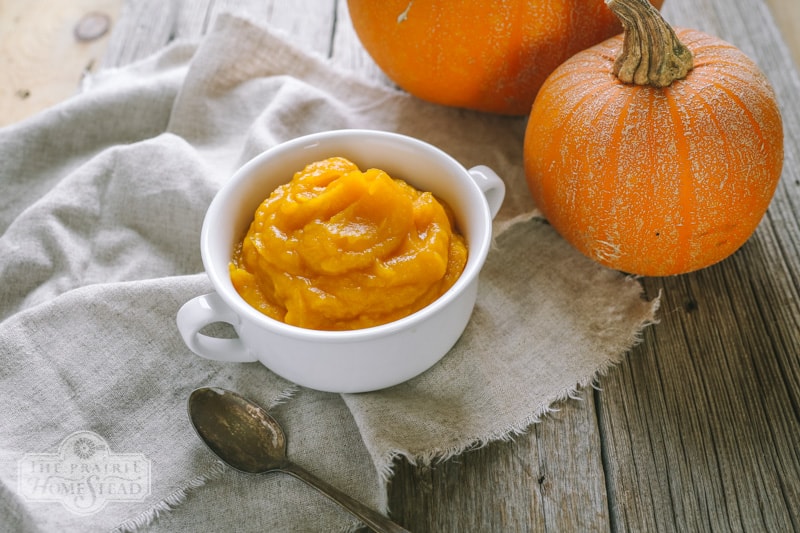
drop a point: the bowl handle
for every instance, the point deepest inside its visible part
(198, 313)
(492, 186)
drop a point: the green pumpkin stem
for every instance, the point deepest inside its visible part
(651, 52)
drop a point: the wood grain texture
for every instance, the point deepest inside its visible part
(787, 18)
(699, 428)
(310, 23)
(549, 480)
(42, 61)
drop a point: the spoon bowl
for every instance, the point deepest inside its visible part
(248, 439)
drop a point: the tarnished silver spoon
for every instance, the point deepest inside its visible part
(248, 439)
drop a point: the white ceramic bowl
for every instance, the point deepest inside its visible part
(341, 361)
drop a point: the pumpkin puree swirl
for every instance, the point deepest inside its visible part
(341, 249)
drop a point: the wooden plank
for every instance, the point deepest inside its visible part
(309, 23)
(42, 61)
(787, 17)
(347, 52)
(692, 436)
(547, 480)
(145, 26)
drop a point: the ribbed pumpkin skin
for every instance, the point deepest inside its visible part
(650, 181)
(478, 54)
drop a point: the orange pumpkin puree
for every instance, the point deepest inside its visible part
(339, 249)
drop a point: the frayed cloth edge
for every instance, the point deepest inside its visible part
(284, 396)
(386, 469)
(169, 503)
(501, 227)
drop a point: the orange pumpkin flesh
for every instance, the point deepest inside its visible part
(655, 181)
(487, 56)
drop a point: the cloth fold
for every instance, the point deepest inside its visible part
(103, 199)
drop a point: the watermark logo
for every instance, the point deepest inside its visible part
(84, 475)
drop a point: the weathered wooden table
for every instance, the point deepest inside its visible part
(699, 428)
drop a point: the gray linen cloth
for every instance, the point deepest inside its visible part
(102, 201)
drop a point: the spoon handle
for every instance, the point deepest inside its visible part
(374, 520)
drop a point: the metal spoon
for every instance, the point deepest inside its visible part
(247, 438)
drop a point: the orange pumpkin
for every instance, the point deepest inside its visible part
(478, 54)
(657, 154)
